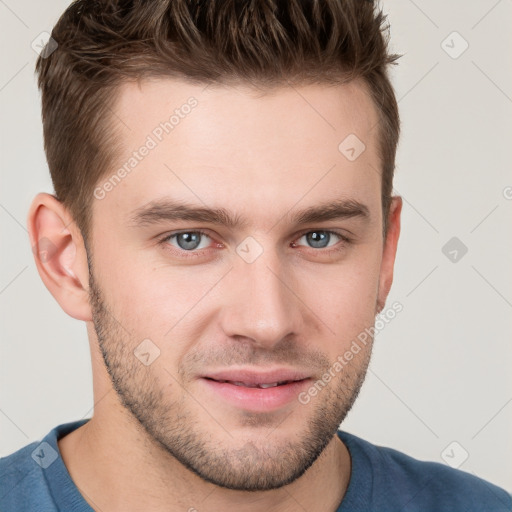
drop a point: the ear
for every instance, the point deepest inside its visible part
(389, 252)
(60, 255)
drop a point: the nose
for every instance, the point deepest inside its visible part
(261, 305)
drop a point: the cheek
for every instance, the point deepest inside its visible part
(345, 296)
(151, 303)
(156, 301)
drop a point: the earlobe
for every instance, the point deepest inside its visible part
(59, 254)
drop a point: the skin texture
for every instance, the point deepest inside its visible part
(160, 439)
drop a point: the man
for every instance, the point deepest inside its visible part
(223, 223)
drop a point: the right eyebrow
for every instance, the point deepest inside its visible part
(169, 210)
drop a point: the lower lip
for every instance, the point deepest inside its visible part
(256, 399)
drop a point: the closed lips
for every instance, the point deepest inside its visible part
(249, 385)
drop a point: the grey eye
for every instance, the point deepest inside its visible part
(319, 239)
(188, 240)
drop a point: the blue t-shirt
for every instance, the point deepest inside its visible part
(35, 479)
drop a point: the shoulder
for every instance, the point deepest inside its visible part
(22, 482)
(34, 478)
(401, 480)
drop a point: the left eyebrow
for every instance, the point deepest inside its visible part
(342, 209)
(171, 210)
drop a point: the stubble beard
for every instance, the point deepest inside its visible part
(257, 464)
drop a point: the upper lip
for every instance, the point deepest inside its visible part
(259, 376)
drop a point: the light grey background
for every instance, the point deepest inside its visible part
(441, 369)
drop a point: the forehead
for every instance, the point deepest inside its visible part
(307, 112)
(254, 149)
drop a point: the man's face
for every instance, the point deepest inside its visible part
(190, 326)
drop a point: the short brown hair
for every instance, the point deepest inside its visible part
(266, 43)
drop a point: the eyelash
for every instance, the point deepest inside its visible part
(197, 252)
